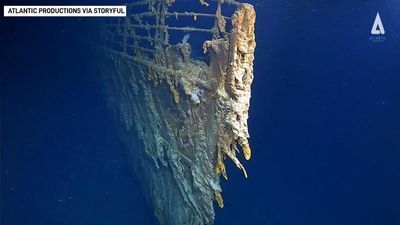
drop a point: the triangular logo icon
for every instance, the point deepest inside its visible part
(378, 28)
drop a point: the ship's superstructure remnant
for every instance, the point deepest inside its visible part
(181, 115)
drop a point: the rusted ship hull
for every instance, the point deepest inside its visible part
(180, 117)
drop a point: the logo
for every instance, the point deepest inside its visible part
(378, 31)
(378, 28)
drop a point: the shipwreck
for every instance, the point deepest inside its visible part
(181, 103)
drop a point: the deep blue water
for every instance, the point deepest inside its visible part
(324, 123)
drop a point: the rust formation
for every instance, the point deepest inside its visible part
(181, 114)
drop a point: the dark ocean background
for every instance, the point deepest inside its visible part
(324, 123)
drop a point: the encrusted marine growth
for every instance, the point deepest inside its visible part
(181, 117)
(234, 89)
